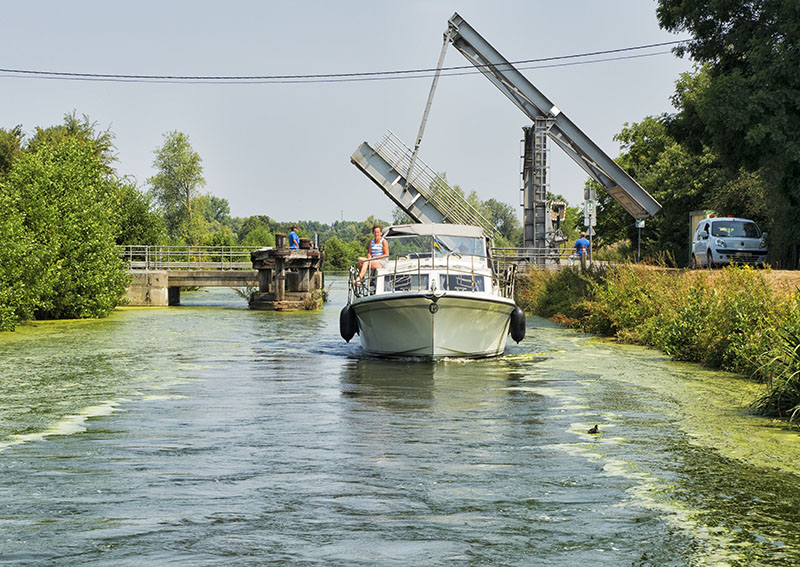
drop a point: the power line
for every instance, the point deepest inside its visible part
(332, 77)
(420, 75)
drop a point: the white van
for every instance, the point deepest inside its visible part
(726, 240)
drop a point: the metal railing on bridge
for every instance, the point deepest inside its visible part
(146, 257)
(535, 257)
(156, 257)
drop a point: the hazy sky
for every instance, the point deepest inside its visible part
(284, 149)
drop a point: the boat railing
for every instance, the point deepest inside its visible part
(409, 272)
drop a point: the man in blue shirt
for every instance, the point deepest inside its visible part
(582, 245)
(294, 240)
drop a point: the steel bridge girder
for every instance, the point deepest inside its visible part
(564, 133)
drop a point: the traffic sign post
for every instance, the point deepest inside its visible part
(589, 216)
(640, 226)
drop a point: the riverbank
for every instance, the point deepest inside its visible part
(736, 319)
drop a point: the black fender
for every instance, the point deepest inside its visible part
(348, 324)
(517, 326)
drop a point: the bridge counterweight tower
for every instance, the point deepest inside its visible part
(535, 185)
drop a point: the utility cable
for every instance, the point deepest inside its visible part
(332, 77)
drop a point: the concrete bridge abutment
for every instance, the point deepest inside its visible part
(149, 288)
(160, 288)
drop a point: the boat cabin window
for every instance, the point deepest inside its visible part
(461, 282)
(405, 282)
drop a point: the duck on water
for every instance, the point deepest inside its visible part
(438, 294)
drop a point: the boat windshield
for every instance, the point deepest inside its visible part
(460, 245)
(438, 246)
(412, 246)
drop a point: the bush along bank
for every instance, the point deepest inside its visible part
(729, 319)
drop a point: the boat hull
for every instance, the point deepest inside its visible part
(424, 326)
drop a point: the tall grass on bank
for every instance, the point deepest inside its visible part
(729, 319)
(558, 295)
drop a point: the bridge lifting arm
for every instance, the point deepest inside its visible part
(563, 131)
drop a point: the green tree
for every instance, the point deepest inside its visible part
(176, 185)
(138, 221)
(261, 226)
(682, 180)
(339, 255)
(573, 223)
(214, 209)
(258, 237)
(345, 230)
(743, 195)
(221, 235)
(504, 219)
(61, 201)
(10, 148)
(613, 222)
(196, 230)
(101, 142)
(20, 262)
(747, 110)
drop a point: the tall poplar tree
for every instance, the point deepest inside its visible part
(177, 183)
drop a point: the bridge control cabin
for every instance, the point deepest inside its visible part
(288, 279)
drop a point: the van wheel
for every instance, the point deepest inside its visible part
(710, 261)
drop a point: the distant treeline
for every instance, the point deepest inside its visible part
(64, 210)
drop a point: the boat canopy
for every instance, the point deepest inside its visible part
(437, 229)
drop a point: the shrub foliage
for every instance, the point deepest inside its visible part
(729, 319)
(60, 258)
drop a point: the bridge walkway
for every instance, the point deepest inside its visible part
(160, 271)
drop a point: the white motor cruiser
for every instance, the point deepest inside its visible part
(437, 295)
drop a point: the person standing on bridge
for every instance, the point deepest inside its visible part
(377, 252)
(582, 246)
(294, 240)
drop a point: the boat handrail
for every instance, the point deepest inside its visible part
(503, 281)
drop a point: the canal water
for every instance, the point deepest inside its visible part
(208, 434)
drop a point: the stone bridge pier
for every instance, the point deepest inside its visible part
(288, 279)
